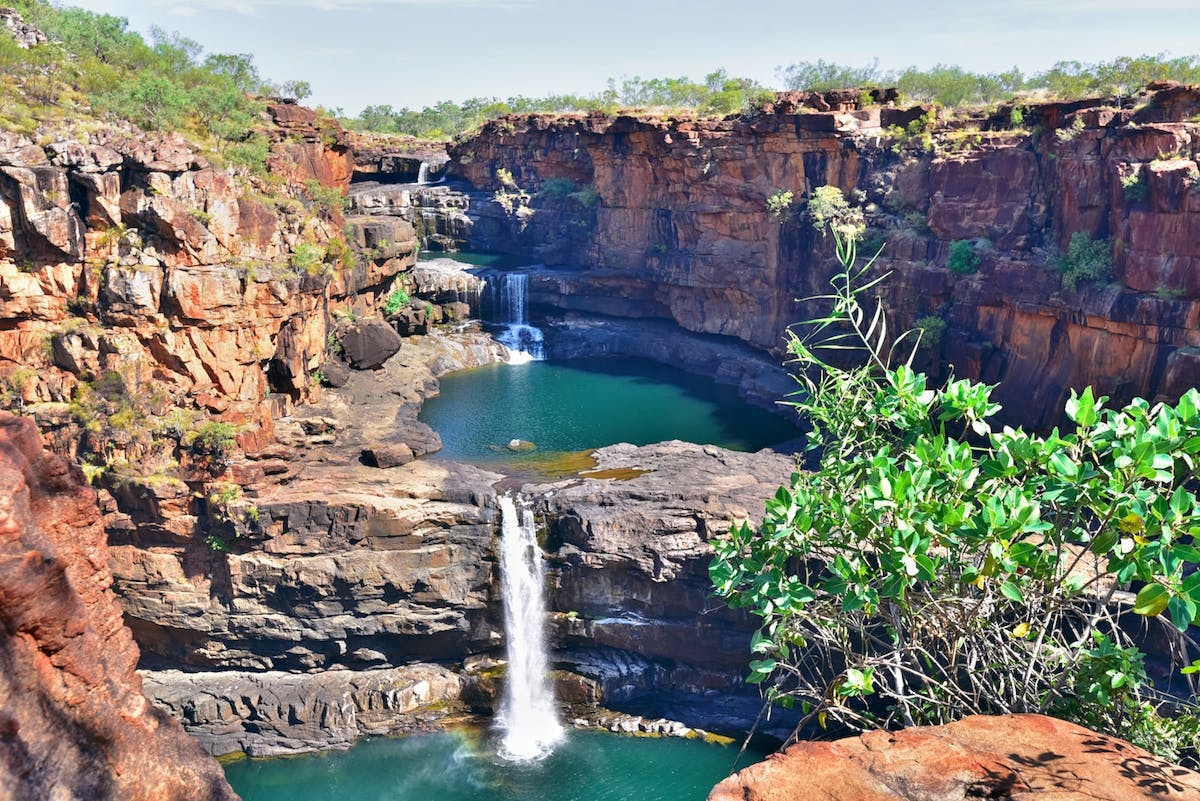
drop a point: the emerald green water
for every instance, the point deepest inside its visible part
(585, 405)
(457, 766)
(477, 259)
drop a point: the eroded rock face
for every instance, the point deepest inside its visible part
(679, 229)
(344, 565)
(628, 582)
(352, 567)
(73, 721)
(633, 550)
(128, 252)
(1008, 756)
(269, 713)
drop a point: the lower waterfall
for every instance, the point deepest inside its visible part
(528, 715)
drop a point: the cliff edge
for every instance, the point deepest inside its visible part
(74, 723)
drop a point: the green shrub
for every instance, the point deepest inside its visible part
(1071, 131)
(930, 328)
(779, 204)
(328, 199)
(917, 134)
(932, 566)
(557, 187)
(395, 301)
(249, 153)
(212, 438)
(1086, 260)
(308, 258)
(339, 254)
(1134, 186)
(587, 196)
(828, 209)
(963, 258)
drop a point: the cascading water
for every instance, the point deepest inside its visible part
(423, 173)
(528, 716)
(525, 342)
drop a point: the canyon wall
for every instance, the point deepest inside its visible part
(668, 219)
(74, 723)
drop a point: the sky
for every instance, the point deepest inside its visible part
(415, 53)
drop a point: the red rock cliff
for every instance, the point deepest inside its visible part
(73, 721)
(680, 229)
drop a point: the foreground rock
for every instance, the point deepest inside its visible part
(73, 721)
(1019, 757)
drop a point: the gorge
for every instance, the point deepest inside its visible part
(248, 370)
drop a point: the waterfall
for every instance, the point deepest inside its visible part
(423, 173)
(525, 342)
(528, 715)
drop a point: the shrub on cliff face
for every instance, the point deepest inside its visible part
(779, 204)
(828, 209)
(1086, 260)
(932, 567)
(963, 258)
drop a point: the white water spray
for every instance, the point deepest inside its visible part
(423, 173)
(525, 342)
(528, 716)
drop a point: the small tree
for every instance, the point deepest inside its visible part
(932, 567)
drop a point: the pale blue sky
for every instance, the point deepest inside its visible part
(416, 52)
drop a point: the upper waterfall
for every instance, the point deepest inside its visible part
(510, 300)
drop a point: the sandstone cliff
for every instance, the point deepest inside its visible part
(73, 721)
(669, 220)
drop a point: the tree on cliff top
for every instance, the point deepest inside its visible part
(932, 567)
(951, 85)
(94, 65)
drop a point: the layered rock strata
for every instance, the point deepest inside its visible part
(74, 723)
(670, 221)
(629, 544)
(268, 713)
(340, 565)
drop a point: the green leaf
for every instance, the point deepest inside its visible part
(1063, 465)
(1151, 601)
(1012, 592)
(1105, 541)
(1182, 612)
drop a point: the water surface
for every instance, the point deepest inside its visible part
(460, 766)
(588, 404)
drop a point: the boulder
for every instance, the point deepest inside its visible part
(1019, 757)
(389, 454)
(369, 343)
